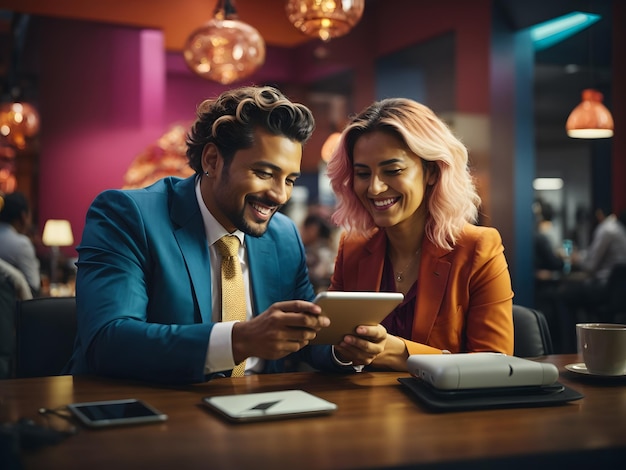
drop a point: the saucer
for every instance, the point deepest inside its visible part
(580, 368)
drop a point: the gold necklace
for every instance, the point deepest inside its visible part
(400, 274)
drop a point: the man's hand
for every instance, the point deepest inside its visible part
(283, 328)
(363, 347)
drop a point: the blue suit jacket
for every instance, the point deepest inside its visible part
(143, 286)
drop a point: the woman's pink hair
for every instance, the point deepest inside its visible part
(452, 201)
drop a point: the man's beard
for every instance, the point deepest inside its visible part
(238, 219)
(254, 230)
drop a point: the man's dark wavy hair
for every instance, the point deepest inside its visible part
(229, 121)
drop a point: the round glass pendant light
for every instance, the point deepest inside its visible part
(330, 145)
(324, 19)
(18, 121)
(224, 49)
(590, 119)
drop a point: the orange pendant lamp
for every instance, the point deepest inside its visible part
(324, 19)
(224, 49)
(330, 145)
(590, 119)
(18, 122)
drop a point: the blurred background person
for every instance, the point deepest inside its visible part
(317, 236)
(607, 248)
(581, 293)
(547, 255)
(549, 264)
(16, 247)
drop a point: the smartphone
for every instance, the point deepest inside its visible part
(98, 414)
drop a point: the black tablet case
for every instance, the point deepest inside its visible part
(477, 399)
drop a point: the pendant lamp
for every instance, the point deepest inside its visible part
(224, 49)
(324, 19)
(18, 121)
(330, 145)
(590, 119)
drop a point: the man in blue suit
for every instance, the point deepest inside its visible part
(148, 297)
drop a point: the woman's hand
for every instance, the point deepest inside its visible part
(363, 347)
(393, 356)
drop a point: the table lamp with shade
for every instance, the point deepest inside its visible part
(56, 233)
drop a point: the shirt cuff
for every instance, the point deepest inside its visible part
(220, 351)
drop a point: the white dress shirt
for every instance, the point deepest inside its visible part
(220, 352)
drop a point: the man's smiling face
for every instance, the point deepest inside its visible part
(257, 182)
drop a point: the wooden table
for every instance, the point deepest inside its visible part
(377, 425)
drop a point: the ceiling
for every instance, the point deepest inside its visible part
(177, 18)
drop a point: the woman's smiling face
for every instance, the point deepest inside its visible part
(388, 179)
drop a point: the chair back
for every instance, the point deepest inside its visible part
(8, 298)
(13, 287)
(45, 330)
(531, 333)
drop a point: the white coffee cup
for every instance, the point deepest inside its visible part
(602, 347)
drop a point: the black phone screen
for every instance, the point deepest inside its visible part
(132, 409)
(109, 413)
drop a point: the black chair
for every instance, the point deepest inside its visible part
(13, 288)
(531, 333)
(45, 329)
(8, 299)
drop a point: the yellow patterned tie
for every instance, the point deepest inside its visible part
(233, 293)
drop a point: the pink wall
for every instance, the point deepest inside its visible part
(94, 117)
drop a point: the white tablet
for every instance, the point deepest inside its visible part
(98, 414)
(268, 405)
(480, 371)
(347, 310)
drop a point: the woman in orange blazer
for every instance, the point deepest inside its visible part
(407, 202)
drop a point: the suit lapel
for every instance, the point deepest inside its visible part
(371, 264)
(432, 282)
(191, 239)
(263, 263)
